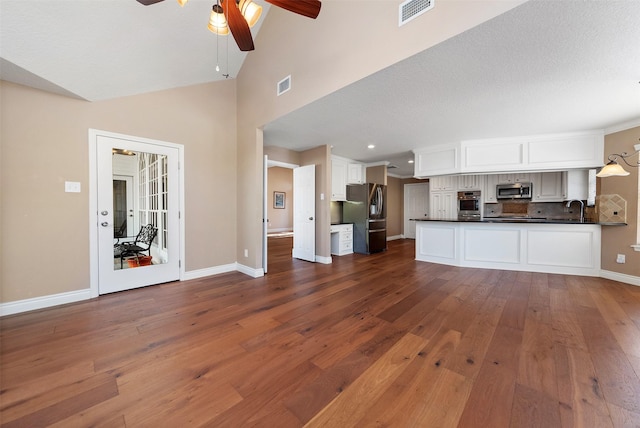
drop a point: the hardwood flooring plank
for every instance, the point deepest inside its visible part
(533, 409)
(353, 403)
(615, 375)
(582, 403)
(369, 340)
(491, 398)
(627, 334)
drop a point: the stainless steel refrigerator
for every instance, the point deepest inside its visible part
(366, 209)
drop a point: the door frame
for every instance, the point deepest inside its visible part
(268, 163)
(93, 201)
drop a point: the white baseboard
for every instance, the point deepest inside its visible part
(394, 237)
(324, 260)
(35, 303)
(252, 272)
(200, 273)
(620, 277)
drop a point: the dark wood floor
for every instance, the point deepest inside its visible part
(369, 341)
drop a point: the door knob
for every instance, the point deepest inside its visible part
(104, 212)
(104, 224)
(310, 218)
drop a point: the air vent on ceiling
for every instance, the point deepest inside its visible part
(391, 166)
(284, 85)
(411, 9)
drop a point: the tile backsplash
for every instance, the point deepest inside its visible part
(611, 209)
(548, 210)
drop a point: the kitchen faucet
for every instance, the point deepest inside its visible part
(581, 208)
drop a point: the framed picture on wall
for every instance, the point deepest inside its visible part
(278, 200)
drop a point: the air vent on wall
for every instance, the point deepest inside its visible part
(411, 9)
(284, 85)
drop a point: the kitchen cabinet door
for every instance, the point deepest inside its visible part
(519, 177)
(356, 174)
(445, 182)
(576, 185)
(471, 182)
(548, 187)
(436, 161)
(489, 194)
(338, 179)
(443, 205)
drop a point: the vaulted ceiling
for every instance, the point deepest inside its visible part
(542, 67)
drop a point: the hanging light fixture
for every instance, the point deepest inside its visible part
(182, 2)
(251, 11)
(614, 169)
(217, 21)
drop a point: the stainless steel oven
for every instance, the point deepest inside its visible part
(469, 205)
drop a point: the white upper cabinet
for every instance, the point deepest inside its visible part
(483, 156)
(338, 179)
(433, 161)
(489, 194)
(357, 173)
(520, 177)
(534, 153)
(548, 187)
(576, 185)
(471, 182)
(585, 150)
(447, 182)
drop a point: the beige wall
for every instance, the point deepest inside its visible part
(280, 180)
(44, 142)
(618, 239)
(282, 155)
(325, 55)
(377, 174)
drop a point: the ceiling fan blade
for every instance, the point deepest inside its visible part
(149, 2)
(238, 25)
(308, 8)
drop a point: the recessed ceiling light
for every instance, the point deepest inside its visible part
(371, 146)
(410, 161)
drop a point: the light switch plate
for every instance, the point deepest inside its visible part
(72, 186)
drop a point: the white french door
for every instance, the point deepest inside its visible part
(156, 195)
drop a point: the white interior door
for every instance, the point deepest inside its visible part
(416, 205)
(156, 193)
(265, 213)
(304, 213)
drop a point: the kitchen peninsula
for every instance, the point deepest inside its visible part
(533, 245)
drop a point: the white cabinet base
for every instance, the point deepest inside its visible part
(341, 239)
(571, 249)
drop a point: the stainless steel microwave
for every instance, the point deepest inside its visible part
(514, 191)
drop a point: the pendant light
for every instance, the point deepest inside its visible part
(614, 169)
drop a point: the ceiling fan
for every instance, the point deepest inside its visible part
(232, 15)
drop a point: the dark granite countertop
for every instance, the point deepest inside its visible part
(526, 220)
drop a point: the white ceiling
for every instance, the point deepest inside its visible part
(543, 67)
(102, 49)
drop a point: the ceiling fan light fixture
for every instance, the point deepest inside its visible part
(251, 11)
(217, 21)
(182, 2)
